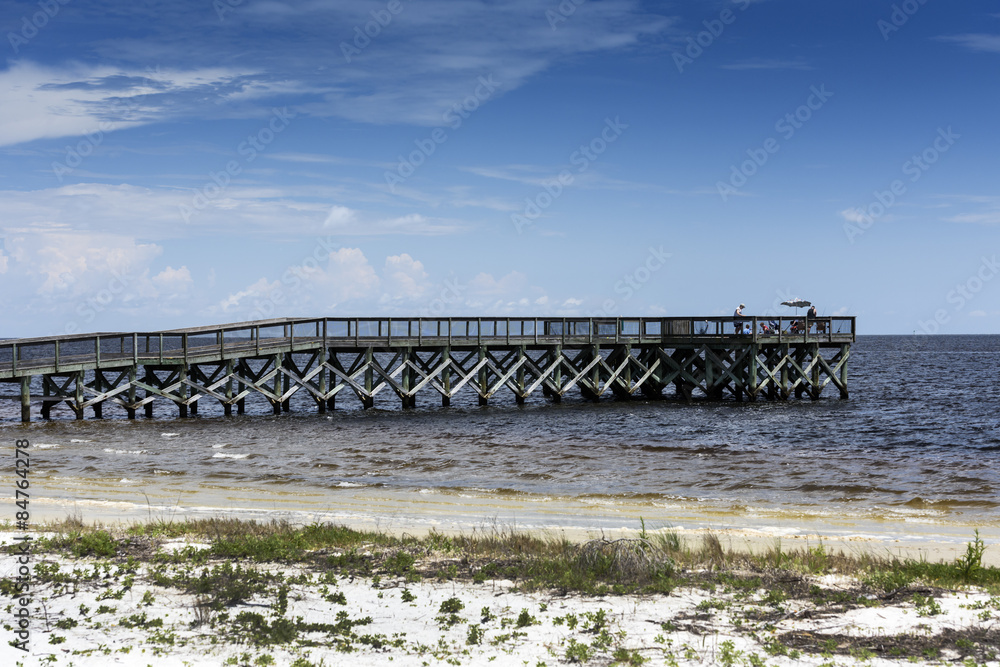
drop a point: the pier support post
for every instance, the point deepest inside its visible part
(407, 379)
(78, 396)
(519, 395)
(193, 392)
(46, 390)
(227, 406)
(557, 378)
(815, 386)
(784, 353)
(331, 403)
(183, 391)
(99, 383)
(132, 374)
(484, 383)
(286, 383)
(446, 376)
(276, 388)
(368, 401)
(845, 353)
(240, 388)
(321, 361)
(150, 379)
(26, 399)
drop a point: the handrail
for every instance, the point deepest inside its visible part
(19, 355)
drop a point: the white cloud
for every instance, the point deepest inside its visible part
(74, 99)
(172, 280)
(340, 216)
(405, 277)
(433, 56)
(156, 213)
(987, 218)
(975, 41)
(73, 264)
(349, 276)
(855, 215)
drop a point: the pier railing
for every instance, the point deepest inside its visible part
(114, 349)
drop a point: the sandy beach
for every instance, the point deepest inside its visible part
(120, 610)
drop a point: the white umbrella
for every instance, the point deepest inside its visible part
(797, 303)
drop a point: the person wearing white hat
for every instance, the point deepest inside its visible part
(737, 318)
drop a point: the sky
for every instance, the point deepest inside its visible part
(179, 163)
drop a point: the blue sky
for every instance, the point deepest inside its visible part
(167, 164)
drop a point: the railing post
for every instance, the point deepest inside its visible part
(57, 356)
(135, 348)
(97, 351)
(184, 345)
(13, 357)
(161, 348)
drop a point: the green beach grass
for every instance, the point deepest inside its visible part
(221, 564)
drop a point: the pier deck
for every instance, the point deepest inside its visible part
(364, 356)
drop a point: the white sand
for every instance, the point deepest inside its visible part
(633, 623)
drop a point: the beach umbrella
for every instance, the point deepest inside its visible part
(797, 303)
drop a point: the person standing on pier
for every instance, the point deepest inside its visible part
(737, 318)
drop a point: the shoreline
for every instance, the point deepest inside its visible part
(419, 514)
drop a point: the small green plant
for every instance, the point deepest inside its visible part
(451, 606)
(339, 597)
(577, 652)
(926, 606)
(969, 564)
(475, 635)
(597, 620)
(524, 619)
(407, 596)
(728, 655)
(449, 612)
(623, 656)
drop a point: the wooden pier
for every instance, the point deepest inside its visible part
(337, 357)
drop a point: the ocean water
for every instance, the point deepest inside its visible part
(913, 452)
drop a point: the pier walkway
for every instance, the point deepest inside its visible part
(337, 357)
